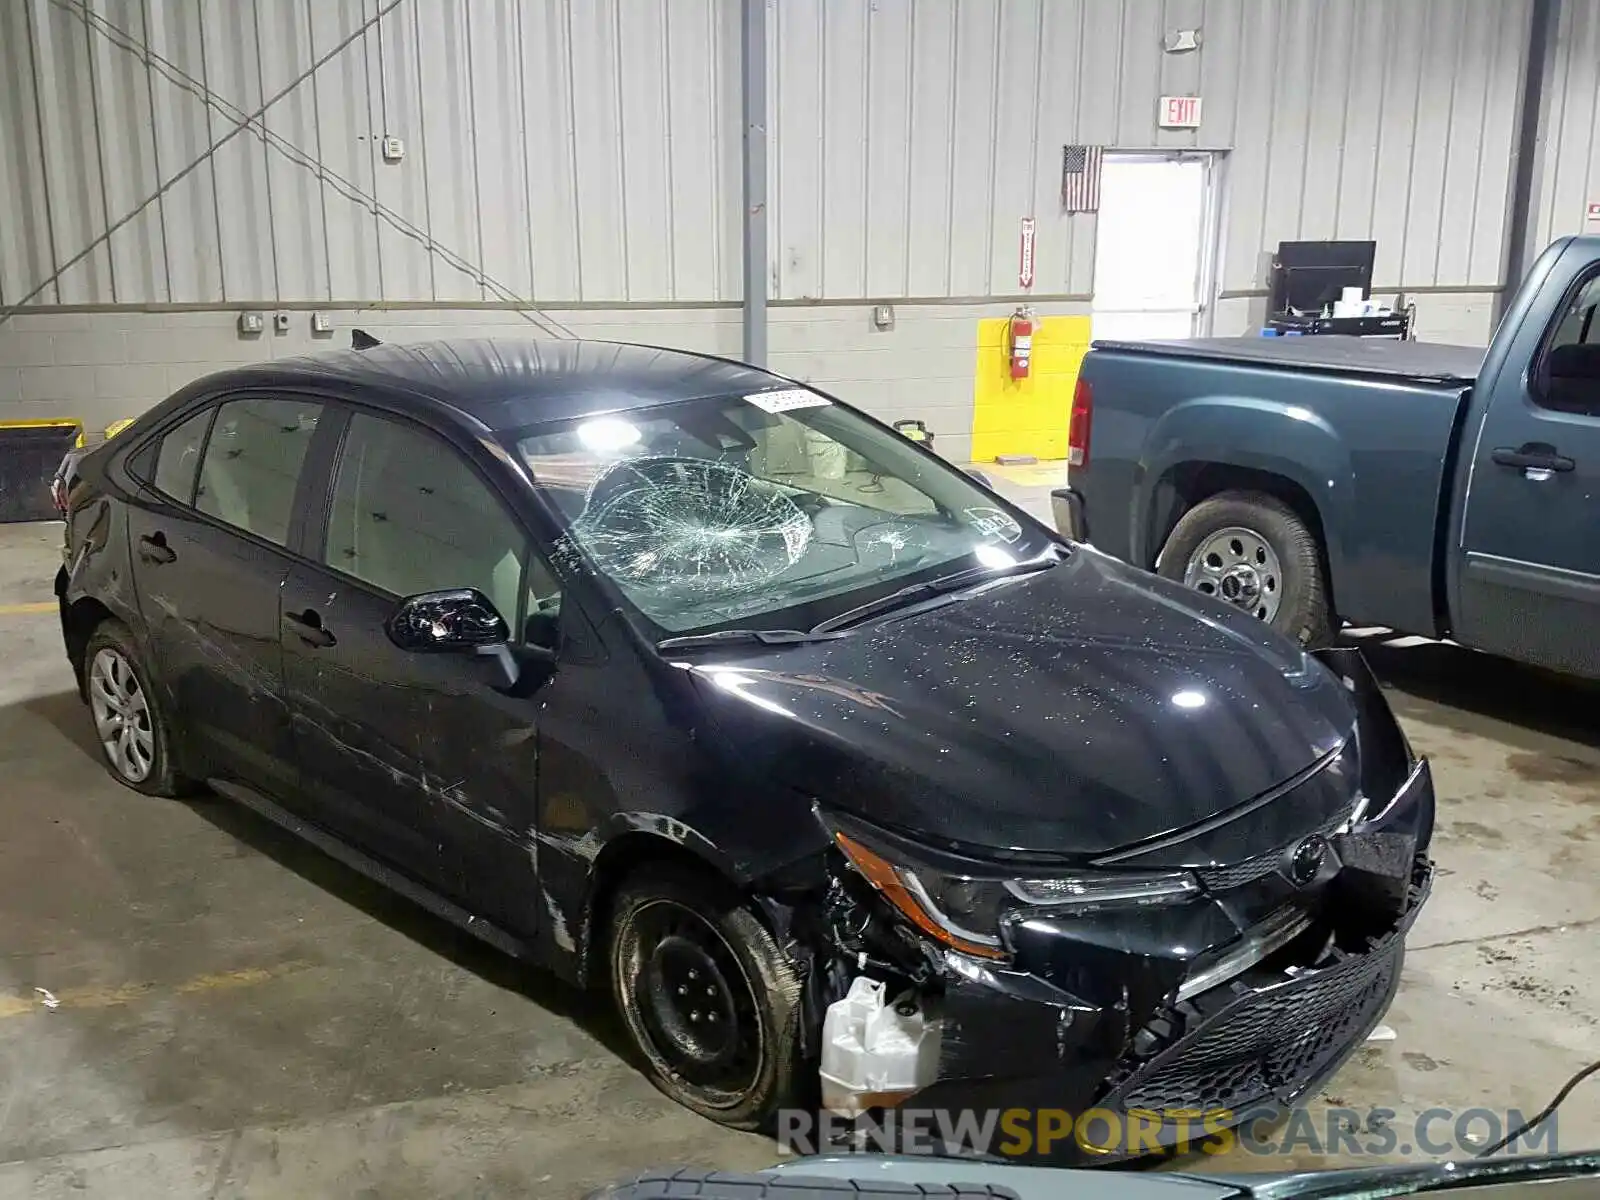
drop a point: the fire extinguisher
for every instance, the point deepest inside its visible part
(1020, 337)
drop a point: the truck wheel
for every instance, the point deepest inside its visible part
(1253, 551)
(708, 997)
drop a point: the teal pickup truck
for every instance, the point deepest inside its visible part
(1447, 491)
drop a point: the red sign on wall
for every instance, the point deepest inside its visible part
(1179, 112)
(1025, 265)
(1594, 212)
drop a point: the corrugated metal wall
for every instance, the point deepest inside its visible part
(588, 150)
(1391, 119)
(1569, 179)
(575, 150)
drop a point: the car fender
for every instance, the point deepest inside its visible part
(99, 568)
(1281, 439)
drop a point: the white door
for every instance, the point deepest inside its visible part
(1152, 246)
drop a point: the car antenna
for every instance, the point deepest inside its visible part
(360, 339)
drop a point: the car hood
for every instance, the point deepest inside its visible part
(1075, 711)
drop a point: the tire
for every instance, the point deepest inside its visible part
(114, 668)
(1304, 609)
(673, 929)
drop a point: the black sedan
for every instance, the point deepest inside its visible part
(854, 782)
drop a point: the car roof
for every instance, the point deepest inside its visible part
(509, 383)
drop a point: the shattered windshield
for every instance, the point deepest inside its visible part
(768, 510)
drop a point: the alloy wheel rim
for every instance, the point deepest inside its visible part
(121, 716)
(1240, 567)
(695, 1003)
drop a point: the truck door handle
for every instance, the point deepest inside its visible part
(153, 548)
(307, 626)
(1534, 456)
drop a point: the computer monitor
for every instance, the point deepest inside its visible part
(1306, 276)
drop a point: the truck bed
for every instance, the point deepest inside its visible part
(1419, 361)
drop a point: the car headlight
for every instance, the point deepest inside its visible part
(967, 913)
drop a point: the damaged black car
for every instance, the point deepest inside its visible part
(856, 785)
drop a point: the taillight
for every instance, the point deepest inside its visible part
(1078, 428)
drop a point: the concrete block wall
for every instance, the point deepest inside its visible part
(99, 367)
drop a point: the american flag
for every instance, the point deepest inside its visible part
(1080, 178)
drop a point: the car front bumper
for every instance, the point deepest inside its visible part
(1044, 1047)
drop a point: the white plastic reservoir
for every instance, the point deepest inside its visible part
(871, 1053)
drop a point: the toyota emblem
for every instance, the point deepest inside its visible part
(1306, 859)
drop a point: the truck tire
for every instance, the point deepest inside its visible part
(1253, 551)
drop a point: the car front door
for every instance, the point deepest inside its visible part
(208, 542)
(1530, 579)
(427, 760)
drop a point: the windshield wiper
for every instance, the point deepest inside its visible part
(941, 586)
(766, 637)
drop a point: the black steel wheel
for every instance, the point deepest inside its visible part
(710, 1001)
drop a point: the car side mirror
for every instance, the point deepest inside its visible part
(983, 480)
(452, 622)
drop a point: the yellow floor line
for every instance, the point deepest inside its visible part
(18, 610)
(40, 1001)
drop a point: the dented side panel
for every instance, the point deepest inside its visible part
(212, 611)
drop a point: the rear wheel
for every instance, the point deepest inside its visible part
(1254, 552)
(707, 996)
(129, 722)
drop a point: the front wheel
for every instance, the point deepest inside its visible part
(710, 1001)
(1254, 552)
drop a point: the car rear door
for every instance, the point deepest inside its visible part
(209, 548)
(425, 760)
(1530, 578)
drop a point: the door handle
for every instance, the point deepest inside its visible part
(153, 548)
(1534, 456)
(307, 626)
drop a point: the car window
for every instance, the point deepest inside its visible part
(1578, 325)
(178, 457)
(410, 515)
(252, 464)
(541, 626)
(778, 509)
(1571, 367)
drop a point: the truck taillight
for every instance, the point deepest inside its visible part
(1078, 427)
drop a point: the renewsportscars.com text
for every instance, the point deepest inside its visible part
(1019, 1132)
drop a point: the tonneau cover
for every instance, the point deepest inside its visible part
(1326, 352)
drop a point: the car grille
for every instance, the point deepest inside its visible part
(1269, 1044)
(1237, 875)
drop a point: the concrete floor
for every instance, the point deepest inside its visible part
(235, 1015)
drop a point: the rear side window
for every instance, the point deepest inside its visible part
(178, 457)
(1578, 324)
(1570, 373)
(252, 464)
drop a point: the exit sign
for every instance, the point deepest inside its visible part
(1179, 112)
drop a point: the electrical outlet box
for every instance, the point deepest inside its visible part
(251, 322)
(393, 149)
(321, 322)
(883, 316)
(280, 322)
